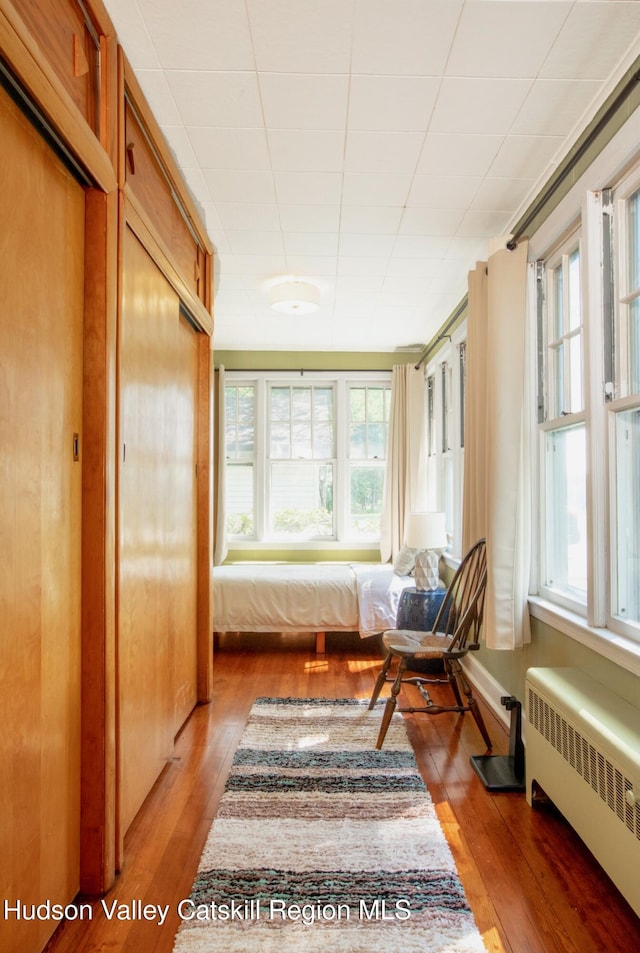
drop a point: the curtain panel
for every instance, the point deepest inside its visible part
(405, 488)
(497, 465)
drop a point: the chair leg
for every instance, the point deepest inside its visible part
(471, 703)
(382, 677)
(390, 706)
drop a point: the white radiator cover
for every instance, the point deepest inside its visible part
(583, 750)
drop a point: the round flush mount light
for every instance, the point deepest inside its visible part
(295, 297)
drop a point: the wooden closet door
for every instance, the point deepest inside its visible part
(157, 635)
(41, 314)
(185, 604)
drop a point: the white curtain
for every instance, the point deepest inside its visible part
(405, 488)
(220, 547)
(497, 476)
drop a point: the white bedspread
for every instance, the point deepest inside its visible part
(306, 597)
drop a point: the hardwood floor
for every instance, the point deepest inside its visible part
(533, 886)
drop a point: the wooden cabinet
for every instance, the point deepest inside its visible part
(105, 332)
(41, 347)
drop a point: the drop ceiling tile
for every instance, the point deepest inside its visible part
(359, 266)
(309, 218)
(155, 87)
(393, 284)
(442, 191)
(502, 195)
(221, 35)
(240, 186)
(261, 267)
(356, 285)
(462, 248)
(376, 190)
(589, 45)
(216, 99)
(391, 103)
(481, 224)
(302, 188)
(304, 101)
(232, 149)
(133, 34)
(489, 39)
(290, 36)
(430, 221)
(306, 150)
(309, 243)
(525, 156)
(310, 267)
(181, 147)
(245, 217)
(255, 242)
(554, 107)
(197, 183)
(377, 246)
(478, 105)
(457, 154)
(411, 268)
(378, 220)
(382, 152)
(420, 246)
(411, 38)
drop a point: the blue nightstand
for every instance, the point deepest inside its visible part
(417, 611)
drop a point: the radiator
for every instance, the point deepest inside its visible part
(583, 750)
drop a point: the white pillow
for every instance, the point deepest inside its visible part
(405, 561)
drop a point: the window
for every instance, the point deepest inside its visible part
(623, 404)
(446, 379)
(369, 408)
(240, 418)
(589, 414)
(562, 425)
(306, 459)
(302, 461)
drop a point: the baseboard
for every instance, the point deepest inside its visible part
(491, 690)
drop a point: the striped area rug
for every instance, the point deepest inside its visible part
(322, 843)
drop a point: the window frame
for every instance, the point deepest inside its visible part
(608, 636)
(340, 381)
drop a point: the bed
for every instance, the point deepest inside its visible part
(306, 597)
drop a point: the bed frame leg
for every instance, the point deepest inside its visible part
(320, 643)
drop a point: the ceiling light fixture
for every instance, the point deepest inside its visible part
(295, 297)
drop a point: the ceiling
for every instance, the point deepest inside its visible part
(370, 147)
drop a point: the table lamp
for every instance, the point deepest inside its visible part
(426, 533)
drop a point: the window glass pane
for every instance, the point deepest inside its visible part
(280, 441)
(365, 501)
(574, 291)
(323, 403)
(375, 403)
(302, 500)
(558, 304)
(633, 241)
(634, 346)
(566, 517)
(357, 403)
(302, 448)
(301, 403)
(239, 499)
(575, 353)
(322, 440)
(280, 403)
(239, 404)
(358, 441)
(627, 516)
(557, 361)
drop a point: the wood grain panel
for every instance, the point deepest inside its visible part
(185, 513)
(148, 323)
(41, 313)
(149, 182)
(61, 30)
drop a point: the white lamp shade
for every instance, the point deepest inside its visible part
(295, 297)
(425, 531)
